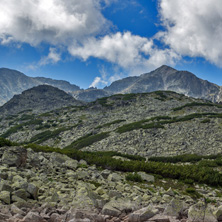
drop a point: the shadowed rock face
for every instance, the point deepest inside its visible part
(90, 94)
(13, 82)
(38, 99)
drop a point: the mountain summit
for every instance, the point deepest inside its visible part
(167, 78)
(38, 99)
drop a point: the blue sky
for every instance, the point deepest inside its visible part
(95, 42)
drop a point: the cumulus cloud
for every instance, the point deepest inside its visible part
(97, 82)
(53, 57)
(127, 50)
(52, 21)
(124, 49)
(193, 28)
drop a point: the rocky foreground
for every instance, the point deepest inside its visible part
(42, 187)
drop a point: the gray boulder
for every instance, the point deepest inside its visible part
(33, 190)
(175, 208)
(218, 213)
(116, 207)
(146, 177)
(15, 156)
(5, 197)
(201, 212)
(143, 214)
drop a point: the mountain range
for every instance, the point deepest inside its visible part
(13, 82)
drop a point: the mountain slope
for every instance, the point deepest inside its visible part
(13, 82)
(38, 99)
(161, 123)
(167, 78)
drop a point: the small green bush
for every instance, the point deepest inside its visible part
(5, 142)
(135, 177)
(205, 121)
(110, 123)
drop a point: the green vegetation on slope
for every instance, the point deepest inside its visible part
(18, 127)
(5, 142)
(167, 120)
(192, 158)
(46, 135)
(111, 123)
(192, 172)
(193, 104)
(87, 140)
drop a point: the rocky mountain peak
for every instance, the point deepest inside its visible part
(13, 82)
(38, 99)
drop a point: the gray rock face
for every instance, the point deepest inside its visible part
(115, 207)
(201, 212)
(90, 94)
(143, 214)
(175, 208)
(146, 177)
(15, 157)
(5, 197)
(167, 78)
(218, 213)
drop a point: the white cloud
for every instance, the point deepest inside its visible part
(130, 52)
(123, 49)
(194, 28)
(52, 58)
(96, 82)
(52, 21)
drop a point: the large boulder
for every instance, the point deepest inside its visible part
(201, 212)
(4, 186)
(15, 156)
(146, 177)
(57, 159)
(71, 164)
(143, 214)
(32, 189)
(5, 197)
(116, 207)
(218, 213)
(115, 177)
(175, 208)
(34, 217)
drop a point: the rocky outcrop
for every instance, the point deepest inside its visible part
(45, 188)
(89, 95)
(39, 99)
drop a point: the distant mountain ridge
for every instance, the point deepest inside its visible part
(13, 82)
(167, 78)
(39, 99)
(164, 78)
